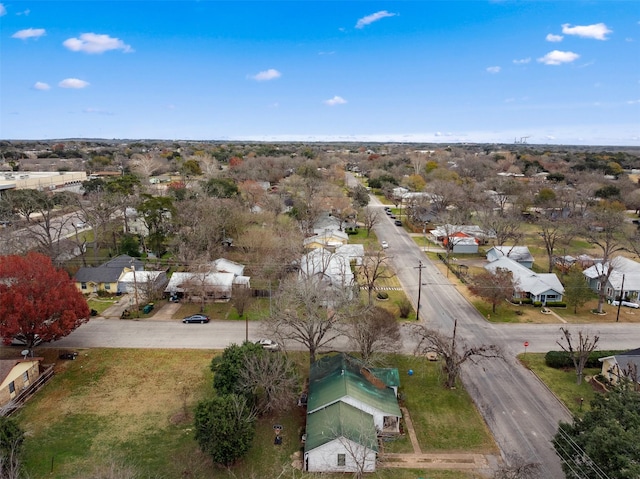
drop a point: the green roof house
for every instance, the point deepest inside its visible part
(348, 406)
(340, 438)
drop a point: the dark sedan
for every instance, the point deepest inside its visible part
(196, 318)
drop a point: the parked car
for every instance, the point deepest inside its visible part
(628, 304)
(384, 244)
(196, 318)
(388, 212)
(397, 223)
(268, 344)
(81, 224)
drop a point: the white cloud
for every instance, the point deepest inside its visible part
(522, 61)
(96, 43)
(3, 10)
(374, 17)
(73, 83)
(336, 100)
(633, 102)
(557, 57)
(494, 69)
(41, 86)
(554, 38)
(29, 33)
(25, 13)
(597, 31)
(266, 75)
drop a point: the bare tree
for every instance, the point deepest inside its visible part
(370, 217)
(606, 232)
(506, 227)
(146, 164)
(373, 334)
(272, 379)
(311, 312)
(578, 352)
(493, 286)
(241, 299)
(375, 266)
(554, 231)
(453, 353)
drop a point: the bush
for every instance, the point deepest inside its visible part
(382, 295)
(561, 359)
(404, 306)
(551, 304)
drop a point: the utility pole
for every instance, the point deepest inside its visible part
(419, 267)
(135, 287)
(620, 301)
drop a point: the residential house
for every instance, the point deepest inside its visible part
(461, 243)
(340, 438)
(542, 287)
(142, 282)
(215, 286)
(222, 265)
(327, 239)
(354, 253)
(348, 407)
(16, 375)
(91, 279)
(623, 270)
(331, 268)
(623, 365)
(327, 222)
(474, 231)
(521, 254)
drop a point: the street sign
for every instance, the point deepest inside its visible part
(526, 344)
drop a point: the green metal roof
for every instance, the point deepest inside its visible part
(340, 420)
(336, 377)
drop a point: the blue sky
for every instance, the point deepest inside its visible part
(557, 72)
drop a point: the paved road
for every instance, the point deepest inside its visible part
(519, 410)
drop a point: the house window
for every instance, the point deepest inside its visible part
(551, 297)
(83, 285)
(12, 387)
(107, 286)
(609, 292)
(342, 459)
(599, 286)
(25, 376)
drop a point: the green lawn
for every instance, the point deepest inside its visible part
(130, 411)
(563, 383)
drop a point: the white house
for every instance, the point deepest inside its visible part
(143, 281)
(542, 287)
(521, 254)
(212, 285)
(352, 252)
(340, 438)
(624, 269)
(348, 406)
(333, 268)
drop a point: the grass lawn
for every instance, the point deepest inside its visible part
(562, 382)
(444, 420)
(100, 304)
(129, 411)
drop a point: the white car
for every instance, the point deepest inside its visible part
(628, 304)
(268, 344)
(384, 244)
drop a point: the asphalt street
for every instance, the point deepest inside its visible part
(519, 410)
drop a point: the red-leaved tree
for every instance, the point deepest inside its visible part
(38, 300)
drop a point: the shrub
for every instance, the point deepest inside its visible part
(382, 295)
(551, 304)
(404, 306)
(561, 359)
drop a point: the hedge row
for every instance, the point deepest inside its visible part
(561, 359)
(551, 304)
